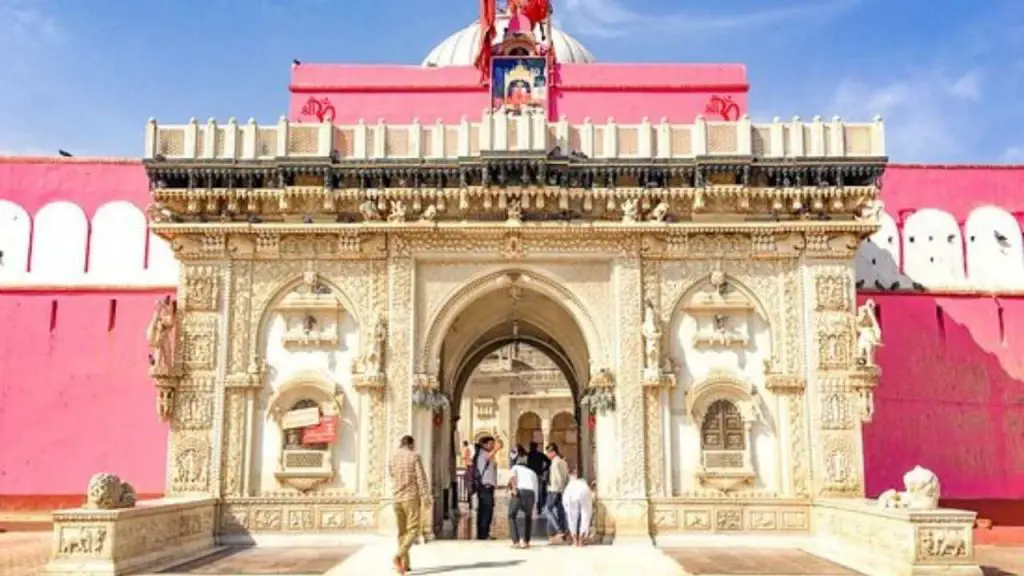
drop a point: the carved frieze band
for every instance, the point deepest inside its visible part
(668, 516)
(694, 242)
(319, 514)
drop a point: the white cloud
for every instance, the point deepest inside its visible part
(27, 23)
(967, 87)
(928, 116)
(612, 18)
(1013, 155)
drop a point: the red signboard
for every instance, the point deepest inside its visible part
(323, 433)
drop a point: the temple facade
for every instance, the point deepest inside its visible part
(667, 291)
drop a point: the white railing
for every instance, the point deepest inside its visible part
(499, 132)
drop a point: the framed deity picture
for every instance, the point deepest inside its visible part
(519, 83)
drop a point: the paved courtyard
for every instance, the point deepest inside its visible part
(25, 554)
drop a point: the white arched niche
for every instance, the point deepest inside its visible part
(117, 247)
(15, 239)
(718, 327)
(161, 265)
(878, 257)
(726, 408)
(995, 255)
(933, 249)
(309, 340)
(59, 238)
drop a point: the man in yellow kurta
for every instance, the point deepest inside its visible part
(411, 492)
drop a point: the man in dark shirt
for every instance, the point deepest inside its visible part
(539, 463)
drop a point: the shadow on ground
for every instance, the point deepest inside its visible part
(473, 566)
(995, 571)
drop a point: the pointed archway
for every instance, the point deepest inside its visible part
(514, 307)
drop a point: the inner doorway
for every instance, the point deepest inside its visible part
(513, 361)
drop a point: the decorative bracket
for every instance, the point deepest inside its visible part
(599, 396)
(166, 384)
(779, 383)
(252, 378)
(427, 395)
(664, 377)
(864, 380)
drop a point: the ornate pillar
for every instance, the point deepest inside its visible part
(841, 386)
(658, 380)
(399, 358)
(372, 389)
(627, 505)
(245, 373)
(193, 406)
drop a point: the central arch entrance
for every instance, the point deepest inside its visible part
(503, 318)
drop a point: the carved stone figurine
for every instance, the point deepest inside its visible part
(629, 210)
(160, 334)
(515, 211)
(398, 211)
(429, 214)
(659, 212)
(368, 209)
(373, 360)
(652, 337)
(719, 283)
(108, 492)
(869, 334)
(870, 210)
(922, 491)
(158, 213)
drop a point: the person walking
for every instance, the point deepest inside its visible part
(558, 478)
(538, 462)
(579, 507)
(485, 475)
(523, 485)
(411, 492)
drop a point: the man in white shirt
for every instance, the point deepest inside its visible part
(523, 486)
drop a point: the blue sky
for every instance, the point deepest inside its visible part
(84, 75)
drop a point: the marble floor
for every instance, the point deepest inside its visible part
(755, 562)
(26, 553)
(291, 561)
(497, 558)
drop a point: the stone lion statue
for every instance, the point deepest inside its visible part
(922, 491)
(109, 492)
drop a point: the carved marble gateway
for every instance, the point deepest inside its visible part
(701, 312)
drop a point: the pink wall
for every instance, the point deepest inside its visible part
(954, 189)
(629, 93)
(952, 395)
(90, 183)
(75, 398)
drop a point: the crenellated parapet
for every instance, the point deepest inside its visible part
(502, 133)
(60, 247)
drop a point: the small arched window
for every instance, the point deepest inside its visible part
(723, 427)
(723, 436)
(293, 437)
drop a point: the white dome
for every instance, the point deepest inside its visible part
(460, 48)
